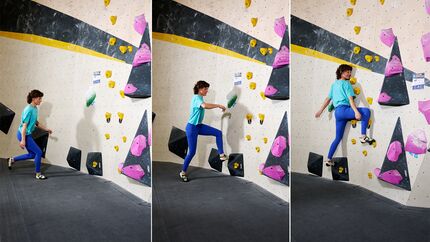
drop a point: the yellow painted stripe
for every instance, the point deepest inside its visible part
(56, 44)
(201, 45)
(320, 55)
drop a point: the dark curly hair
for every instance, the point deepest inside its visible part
(33, 94)
(200, 84)
(342, 68)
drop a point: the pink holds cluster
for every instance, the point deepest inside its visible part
(417, 142)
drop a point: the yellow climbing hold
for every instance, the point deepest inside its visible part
(254, 21)
(248, 137)
(120, 116)
(376, 58)
(130, 48)
(370, 175)
(123, 49)
(261, 117)
(357, 49)
(124, 139)
(353, 2)
(369, 123)
(121, 93)
(265, 139)
(112, 41)
(263, 51)
(349, 12)
(107, 2)
(340, 169)
(365, 152)
(357, 29)
(113, 19)
(353, 80)
(111, 84)
(354, 123)
(253, 43)
(357, 90)
(94, 164)
(107, 136)
(270, 50)
(374, 144)
(116, 147)
(247, 3)
(262, 95)
(249, 117)
(108, 116)
(382, 2)
(252, 85)
(249, 75)
(257, 149)
(368, 58)
(108, 74)
(235, 165)
(369, 100)
(353, 141)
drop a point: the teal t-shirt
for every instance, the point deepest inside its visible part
(196, 111)
(340, 92)
(29, 116)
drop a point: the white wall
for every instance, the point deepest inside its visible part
(315, 135)
(64, 77)
(177, 68)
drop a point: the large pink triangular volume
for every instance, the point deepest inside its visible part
(424, 107)
(387, 37)
(280, 26)
(282, 58)
(140, 24)
(425, 42)
(275, 172)
(394, 66)
(143, 55)
(416, 142)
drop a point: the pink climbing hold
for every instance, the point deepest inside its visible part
(384, 97)
(270, 90)
(425, 42)
(275, 172)
(138, 145)
(261, 167)
(143, 55)
(280, 26)
(134, 171)
(120, 166)
(417, 142)
(394, 66)
(424, 107)
(377, 172)
(427, 3)
(394, 150)
(282, 58)
(279, 145)
(129, 89)
(387, 37)
(140, 24)
(391, 176)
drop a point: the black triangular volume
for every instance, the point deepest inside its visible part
(137, 165)
(74, 158)
(95, 163)
(278, 160)
(139, 81)
(315, 163)
(394, 91)
(280, 77)
(40, 137)
(178, 143)
(339, 171)
(6, 118)
(394, 170)
(235, 165)
(214, 160)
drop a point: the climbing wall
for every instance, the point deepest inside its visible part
(71, 51)
(333, 39)
(222, 56)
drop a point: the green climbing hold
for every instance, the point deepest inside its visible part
(330, 107)
(232, 101)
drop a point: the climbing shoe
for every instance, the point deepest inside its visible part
(9, 163)
(366, 139)
(41, 177)
(183, 176)
(329, 163)
(223, 157)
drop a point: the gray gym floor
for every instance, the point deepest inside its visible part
(214, 207)
(68, 206)
(326, 210)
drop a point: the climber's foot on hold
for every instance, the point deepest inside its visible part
(183, 176)
(223, 157)
(366, 139)
(329, 163)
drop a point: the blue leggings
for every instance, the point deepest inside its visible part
(193, 131)
(344, 114)
(34, 152)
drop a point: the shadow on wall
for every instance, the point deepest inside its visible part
(86, 135)
(45, 110)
